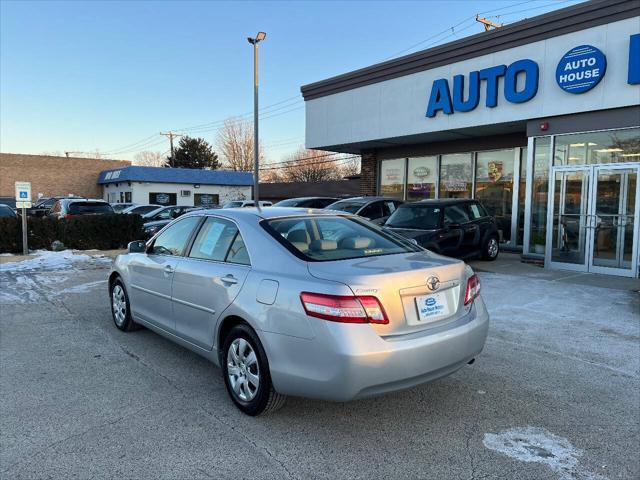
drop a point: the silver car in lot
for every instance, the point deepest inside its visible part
(310, 303)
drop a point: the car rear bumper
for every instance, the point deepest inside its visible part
(345, 361)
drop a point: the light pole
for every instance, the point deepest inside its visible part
(256, 146)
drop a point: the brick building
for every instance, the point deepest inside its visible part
(54, 176)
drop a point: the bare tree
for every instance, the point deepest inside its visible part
(150, 159)
(310, 166)
(270, 174)
(350, 167)
(235, 143)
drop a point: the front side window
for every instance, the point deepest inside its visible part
(421, 217)
(322, 239)
(174, 239)
(219, 240)
(455, 215)
(372, 211)
(348, 206)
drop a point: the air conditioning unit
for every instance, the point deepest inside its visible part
(185, 193)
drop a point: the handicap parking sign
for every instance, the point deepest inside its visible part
(24, 194)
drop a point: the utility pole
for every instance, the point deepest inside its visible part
(171, 136)
(488, 24)
(256, 144)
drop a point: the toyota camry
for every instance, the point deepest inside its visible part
(309, 303)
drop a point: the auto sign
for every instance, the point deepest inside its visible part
(580, 69)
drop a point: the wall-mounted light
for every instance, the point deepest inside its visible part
(196, 185)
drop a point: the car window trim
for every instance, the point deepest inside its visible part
(217, 217)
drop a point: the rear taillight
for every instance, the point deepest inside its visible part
(343, 308)
(473, 289)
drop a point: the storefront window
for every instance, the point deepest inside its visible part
(539, 197)
(522, 193)
(456, 176)
(598, 147)
(494, 187)
(392, 178)
(422, 173)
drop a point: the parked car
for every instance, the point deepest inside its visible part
(73, 207)
(306, 202)
(153, 227)
(44, 205)
(452, 227)
(120, 207)
(8, 201)
(292, 302)
(140, 209)
(246, 203)
(165, 213)
(376, 209)
(7, 211)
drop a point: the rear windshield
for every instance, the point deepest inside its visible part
(232, 204)
(326, 238)
(6, 211)
(346, 206)
(292, 202)
(414, 216)
(80, 208)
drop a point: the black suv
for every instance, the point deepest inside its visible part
(376, 209)
(452, 227)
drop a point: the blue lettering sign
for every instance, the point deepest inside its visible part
(459, 103)
(634, 59)
(492, 76)
(440, 98)
(529, 69)
(580, 69)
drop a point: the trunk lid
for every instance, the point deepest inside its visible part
(397, 281)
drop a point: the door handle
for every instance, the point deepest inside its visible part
(229, 279)
(168, 269)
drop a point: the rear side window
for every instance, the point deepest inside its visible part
(455, 214)
(79, 208)
(476, 211)
(372, 211)
(322, 239)
(174, 239)
(219, 240)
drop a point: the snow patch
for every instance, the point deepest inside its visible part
(45, 259)
(532, 444)
(83, 287)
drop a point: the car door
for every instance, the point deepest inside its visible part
(208, 279)
(479, 221)
(151, 274)
(450, 242)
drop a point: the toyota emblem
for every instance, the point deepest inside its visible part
(433, 283)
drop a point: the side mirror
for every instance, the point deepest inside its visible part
(139, 246)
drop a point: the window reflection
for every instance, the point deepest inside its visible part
(598, 147)
(422, 173)
(392, 178)
(456, 176)
(494, 187)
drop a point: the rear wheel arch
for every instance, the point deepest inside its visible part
(225, 327)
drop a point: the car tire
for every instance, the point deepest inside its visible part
(245, 369)
(491, 248)
(120, 308)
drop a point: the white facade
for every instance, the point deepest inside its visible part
(397, 107)
(139, 192)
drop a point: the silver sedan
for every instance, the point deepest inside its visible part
(301, 302)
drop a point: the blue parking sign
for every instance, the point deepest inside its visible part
(23, 195)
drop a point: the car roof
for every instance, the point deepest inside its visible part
(364, 200)
(80, 200)
(310, 198)
(264, 213)
(443, 201)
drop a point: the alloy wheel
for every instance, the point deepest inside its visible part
(119, 303)
(492, 247)
(243, 369)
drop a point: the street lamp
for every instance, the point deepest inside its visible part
(256, 146)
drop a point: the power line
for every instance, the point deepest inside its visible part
(295, 162)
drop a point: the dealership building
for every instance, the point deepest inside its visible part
(539, 120)
(174, 186)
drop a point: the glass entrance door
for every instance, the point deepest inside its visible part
(593, 222)
(614, 220)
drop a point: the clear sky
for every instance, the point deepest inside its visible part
(81, 76)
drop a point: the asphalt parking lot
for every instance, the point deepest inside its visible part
(555, 395)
